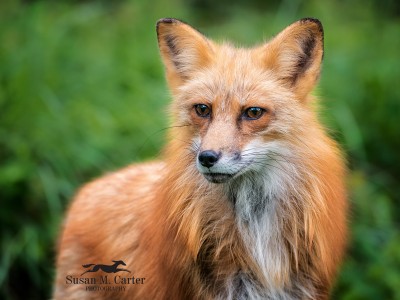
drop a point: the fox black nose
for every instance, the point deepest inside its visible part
(208, 158)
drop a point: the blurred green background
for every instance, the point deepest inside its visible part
(82, 92)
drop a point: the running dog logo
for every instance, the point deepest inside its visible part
(106, 268)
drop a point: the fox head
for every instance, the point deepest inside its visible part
(241, 106)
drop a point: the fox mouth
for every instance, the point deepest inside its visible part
(218, 177)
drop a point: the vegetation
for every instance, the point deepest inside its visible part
(82, 92)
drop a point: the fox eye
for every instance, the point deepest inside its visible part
(202, 110)
(253, 113)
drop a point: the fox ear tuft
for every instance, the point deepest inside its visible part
(296, 54)
(183, 49)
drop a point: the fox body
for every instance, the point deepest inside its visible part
(249, 201)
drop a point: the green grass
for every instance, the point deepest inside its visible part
(82, 92)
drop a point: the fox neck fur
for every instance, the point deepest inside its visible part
(263, 235)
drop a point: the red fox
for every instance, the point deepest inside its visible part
(249, 201)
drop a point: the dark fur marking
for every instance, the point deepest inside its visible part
(315, 21)
(259, 206)
(304, 59)
(170, 40)
(168, 20)
(259, 200)
(240, 291)
(164, 21)
(308, 45)
(173, 50)
(231, 192)
(171, 21)
(204, 263)
(255, 195)
(239, 287)
(171, 43)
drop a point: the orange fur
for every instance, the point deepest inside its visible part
(276, 229)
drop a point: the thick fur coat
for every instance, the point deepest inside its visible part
(249, 200)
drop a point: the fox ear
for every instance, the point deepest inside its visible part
(183, 49)
(296, 54)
